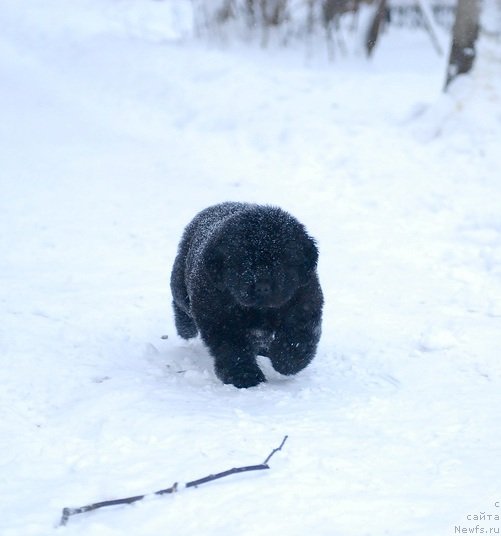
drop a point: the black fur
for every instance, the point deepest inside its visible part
(245, 278)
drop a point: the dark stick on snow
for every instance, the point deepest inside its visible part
(275, 450)
(68, 512)
(210, 478)
(235, 470)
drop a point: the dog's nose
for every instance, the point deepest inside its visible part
(263, 288)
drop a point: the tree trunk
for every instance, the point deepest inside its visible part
(464, 37)
(375, 27)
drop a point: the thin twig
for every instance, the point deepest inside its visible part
(275, 450)
(258, 467)
(68, 512)
(210, 478)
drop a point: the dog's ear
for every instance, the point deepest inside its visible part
(214, 265)
(310, 259)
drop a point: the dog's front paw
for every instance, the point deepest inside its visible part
(241, 377)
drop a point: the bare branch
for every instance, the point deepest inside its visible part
(68, 512)
(429, 25)
(210, 478)
(275, 450)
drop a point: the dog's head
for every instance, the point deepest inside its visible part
(261, 257)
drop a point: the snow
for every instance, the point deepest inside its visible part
(116, 129)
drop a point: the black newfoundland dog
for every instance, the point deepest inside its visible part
(245, 278)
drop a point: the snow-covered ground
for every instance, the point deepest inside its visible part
(115, 130)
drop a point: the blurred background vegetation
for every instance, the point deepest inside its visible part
(453, 26)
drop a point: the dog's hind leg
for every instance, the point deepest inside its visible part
(185, 326)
